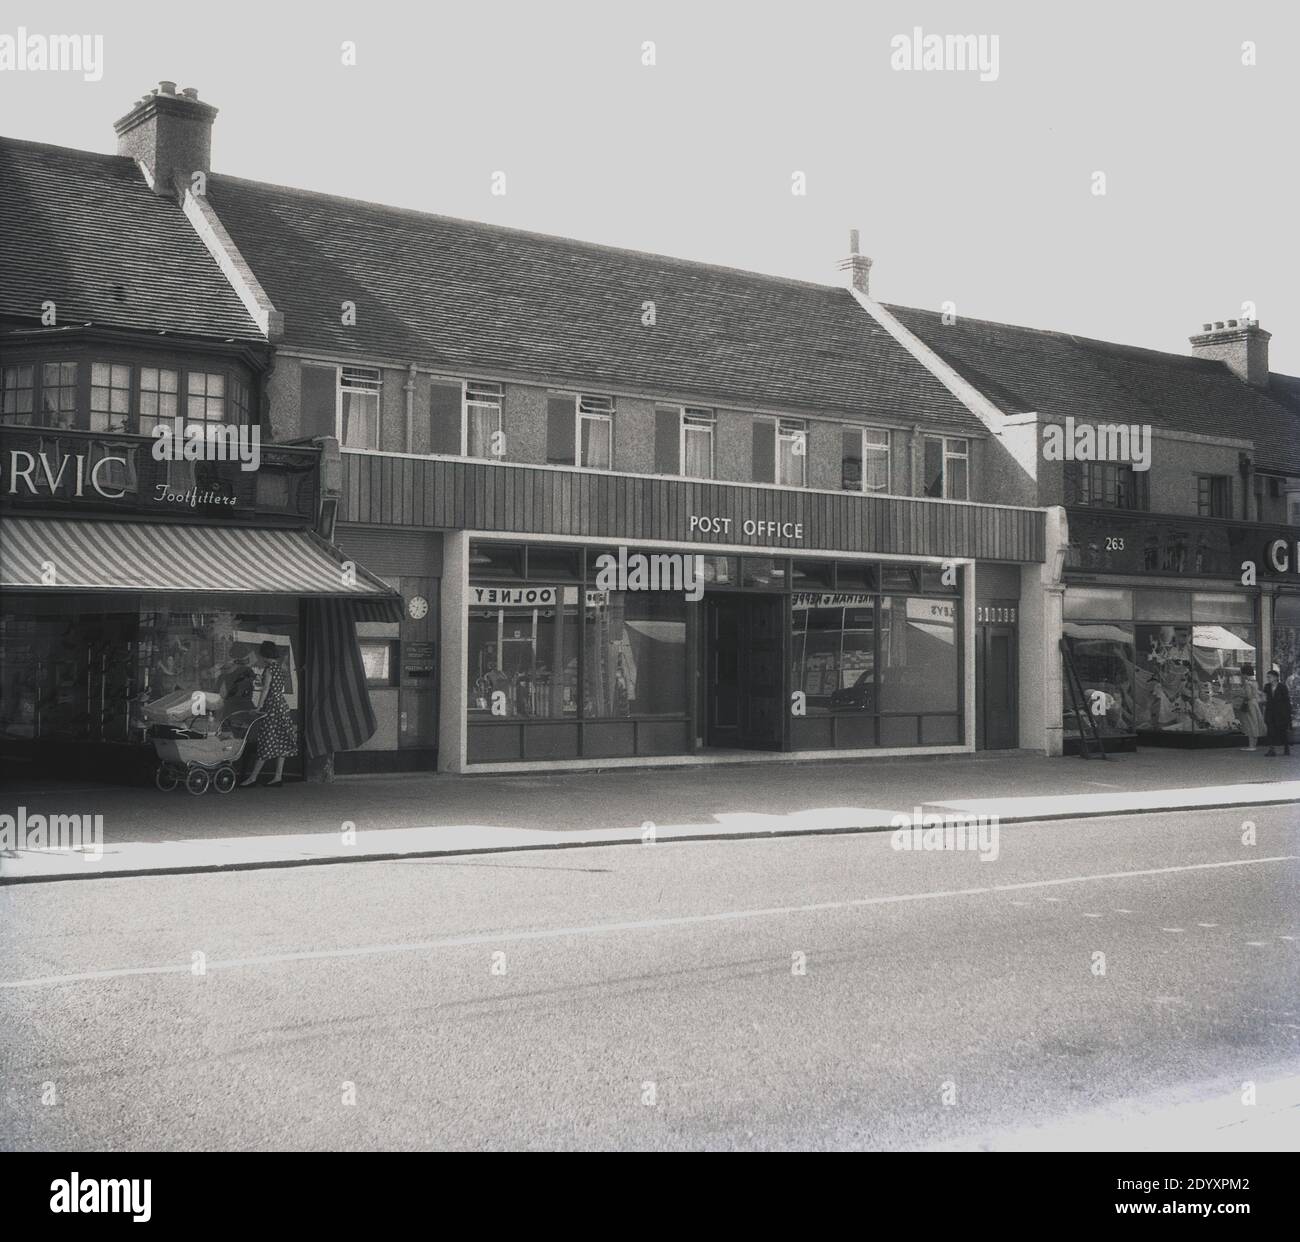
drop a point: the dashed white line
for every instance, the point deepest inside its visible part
(598, 929)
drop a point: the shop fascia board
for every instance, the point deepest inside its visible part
(579, 387)
(729, 549)
(681, 478)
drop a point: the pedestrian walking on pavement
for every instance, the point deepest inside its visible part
(1277, 714)
(277, 737)
(1249, 715)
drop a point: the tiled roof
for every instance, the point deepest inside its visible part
(481, 299)
(1053, 373)
(86, 232)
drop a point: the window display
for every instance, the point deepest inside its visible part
(523, 651)
(833, 650)
(78, 676)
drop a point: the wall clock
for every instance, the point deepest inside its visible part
(417, 607)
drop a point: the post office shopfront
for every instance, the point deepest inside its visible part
(819, 622)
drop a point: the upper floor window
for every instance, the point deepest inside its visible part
(59, 394)
(206, 397)
(17, 394)
(482, 420)
(159, 392)
(947, 467)
(865, 459)
(596, 432)
(110, 396)
(1214, 495)
(697, 443)
(1108, 485)
(359, 407)
(792, 452)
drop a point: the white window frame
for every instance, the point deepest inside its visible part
(888, 446)
(467, 400)
(950, 454)
(341, 386)
(597, 410)
(697, 416)
(790, 429)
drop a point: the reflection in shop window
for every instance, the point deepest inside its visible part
(1105, 660)
(523, 652)
(918, 655)
(833, 650)
(635, 654)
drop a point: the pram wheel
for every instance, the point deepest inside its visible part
(223, 779)
(165, 778)
(197, 781)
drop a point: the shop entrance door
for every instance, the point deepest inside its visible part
(997, 719)
(742, 671)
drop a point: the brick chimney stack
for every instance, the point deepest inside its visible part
(857, 265)
(1241, 343)
(170, 135)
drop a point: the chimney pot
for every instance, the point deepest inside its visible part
(1240, 344)
(169, 135)
(857, 265)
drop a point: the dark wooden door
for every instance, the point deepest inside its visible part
(722, 670)
(761, 663)
(997, 719)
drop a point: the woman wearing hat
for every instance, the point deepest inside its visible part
(277, 738)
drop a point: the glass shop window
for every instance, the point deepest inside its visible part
(918, 655)
(635, 654)
(1105, 657)
(833, 650)
(523, 652)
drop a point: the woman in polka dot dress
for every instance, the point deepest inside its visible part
(277, 737)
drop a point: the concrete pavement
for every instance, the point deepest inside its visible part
(824, 993)
(404, 816)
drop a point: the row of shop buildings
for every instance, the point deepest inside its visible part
(464, 426)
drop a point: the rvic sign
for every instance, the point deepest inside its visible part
(34, 474)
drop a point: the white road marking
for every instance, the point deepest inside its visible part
(1090, 915)
(597, 929)
(1207, 924)
(1258, 944)
(1119, 911)
(1171, 929)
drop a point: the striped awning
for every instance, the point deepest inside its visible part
(62, 554)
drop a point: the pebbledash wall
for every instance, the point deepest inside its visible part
(511, 655)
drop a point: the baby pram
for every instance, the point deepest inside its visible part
(200, 752)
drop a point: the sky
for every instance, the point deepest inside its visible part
(976, 192)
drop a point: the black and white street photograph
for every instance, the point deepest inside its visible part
(678, 577)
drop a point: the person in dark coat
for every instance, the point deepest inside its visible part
(1277, 714)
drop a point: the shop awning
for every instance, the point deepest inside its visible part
(61, 554)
